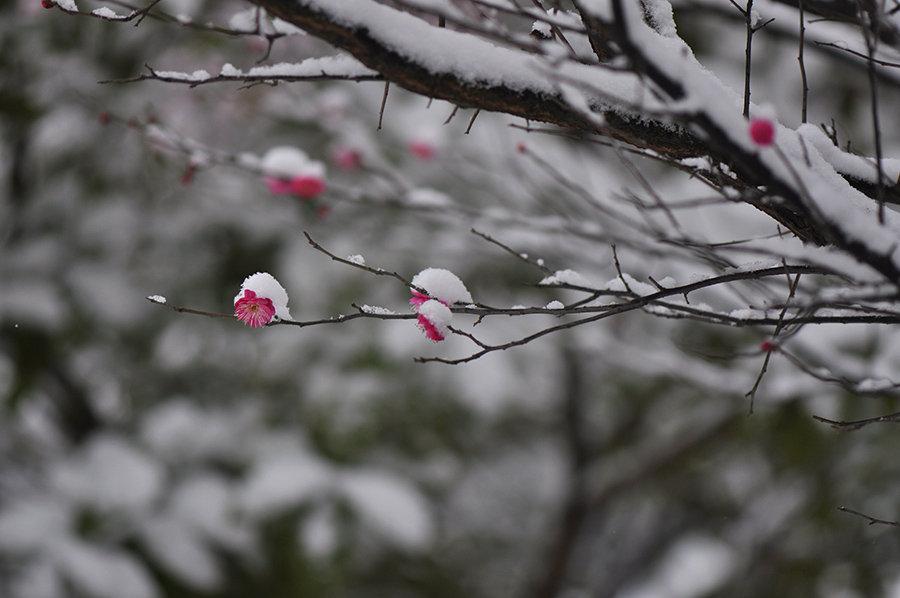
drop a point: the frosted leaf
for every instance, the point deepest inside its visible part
(442, 285)
(391, 506)
(265, 285)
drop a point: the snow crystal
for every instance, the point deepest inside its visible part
(265, 285)
(357, 259)
(555, 305)
(442, 285)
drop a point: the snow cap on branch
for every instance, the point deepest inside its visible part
(440, 284)
(260, 299)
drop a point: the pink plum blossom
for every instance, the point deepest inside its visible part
(254, 311)
(347, 158)
(434, 320)
(306, 186)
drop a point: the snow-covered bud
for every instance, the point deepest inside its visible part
(261, 299)
(434, 320)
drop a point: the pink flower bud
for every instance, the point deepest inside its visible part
(768, 346)
(762, 131)
(307, 187)
(422, 150)
(48, 3)
(347, 158)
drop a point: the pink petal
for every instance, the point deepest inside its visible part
(431, 331)
(307, 187)
(278, 186)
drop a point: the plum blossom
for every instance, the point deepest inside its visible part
(443, 289)
(260, 300)
(347, 158)
(289, 171)
(434, 319)
(254, 311)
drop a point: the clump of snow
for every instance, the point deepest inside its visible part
(157, 299)
(106, 13)
(265, 285)
(287, 162)
(376, 310)
(357, 259)
(542, 28)
(634, 285)
(428, 198)
(67, 4)
(565, 277)
(443, 285)
(555, 305)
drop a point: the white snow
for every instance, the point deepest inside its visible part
(106, 13)
(376, 310)
(437, 313)
(157, 299)
(565, 277)
(265, 285)
(555, 305)
(443, 285)
(389, 505)
(288, 162)
(357, 259)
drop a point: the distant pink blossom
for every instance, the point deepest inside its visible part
(278, 186)
(307, 187)
(422, 150)
(254, 311)
(347, 158)
(762, 131)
